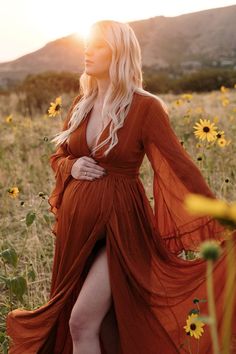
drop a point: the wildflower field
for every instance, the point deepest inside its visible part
(204, 123)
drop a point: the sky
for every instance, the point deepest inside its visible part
(27, 25)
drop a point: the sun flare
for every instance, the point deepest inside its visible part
(83, 29)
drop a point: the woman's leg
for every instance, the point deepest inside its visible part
(91, 306)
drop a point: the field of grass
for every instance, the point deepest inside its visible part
(26, 241)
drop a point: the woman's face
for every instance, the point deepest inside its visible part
(98, 56)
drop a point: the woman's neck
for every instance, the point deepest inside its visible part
(103, 85)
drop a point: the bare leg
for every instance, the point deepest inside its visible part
(93, 303)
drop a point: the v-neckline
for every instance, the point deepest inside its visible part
(100, 134)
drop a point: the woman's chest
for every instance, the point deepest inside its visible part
(128, 147)
(94, 127)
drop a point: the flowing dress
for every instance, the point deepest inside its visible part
(152, 288)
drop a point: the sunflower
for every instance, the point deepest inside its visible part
(205, 130)
(8, 119)
(225, 102)
(55, 107)
(187, 96)
(224, 89)
(198, 145)
(13, 192)
(216, 119)
(220, 134)
(194, 326)
(221, 142)
(178, 102)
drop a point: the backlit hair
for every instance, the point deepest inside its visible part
(125, 78)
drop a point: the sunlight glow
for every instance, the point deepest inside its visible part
(35, 23)
(83, 29)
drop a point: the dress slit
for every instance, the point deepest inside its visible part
(51, 345)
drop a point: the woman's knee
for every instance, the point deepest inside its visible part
(93, 301)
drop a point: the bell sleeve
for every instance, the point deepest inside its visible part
(61, 162)
(175, 175)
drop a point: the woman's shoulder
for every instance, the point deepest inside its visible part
(149, 100)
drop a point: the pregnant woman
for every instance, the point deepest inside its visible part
(118, 285)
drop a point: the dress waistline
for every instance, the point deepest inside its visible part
(132, 173)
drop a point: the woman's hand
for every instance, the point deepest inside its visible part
(88, 165)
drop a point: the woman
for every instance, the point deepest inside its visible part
(118, 285)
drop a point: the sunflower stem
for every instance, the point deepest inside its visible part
(198, 346)
(189, 346)
(229, 297)
(211, 305)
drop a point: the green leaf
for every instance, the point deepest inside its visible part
(30, 217)
(18, 286)
(2, 337)
(10, 256)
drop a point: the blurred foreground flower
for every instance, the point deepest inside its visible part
(205, 130)
(201, 205)
(13, 192)
(55, 107)
(194, 327)
(210, 250)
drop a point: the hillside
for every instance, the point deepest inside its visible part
(186, 42)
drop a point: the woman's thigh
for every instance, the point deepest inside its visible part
(95, 298)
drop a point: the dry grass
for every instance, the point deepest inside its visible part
(24, 152)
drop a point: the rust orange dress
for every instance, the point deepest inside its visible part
(152, 288)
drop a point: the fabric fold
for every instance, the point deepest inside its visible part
(175, 175)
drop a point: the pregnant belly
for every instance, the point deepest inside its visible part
(94, 200)
(87, 200)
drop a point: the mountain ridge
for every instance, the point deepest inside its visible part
(185, 42)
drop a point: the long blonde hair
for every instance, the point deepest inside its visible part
(125, 78)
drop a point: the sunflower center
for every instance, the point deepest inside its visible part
(206, 129)
(57, 108)
(193, 326)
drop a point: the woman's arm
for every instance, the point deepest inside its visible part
(61, 162)
(61, 159)
(175, 175)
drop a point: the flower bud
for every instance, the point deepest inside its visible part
(210, 250)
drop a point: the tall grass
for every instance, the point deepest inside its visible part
(24, 159)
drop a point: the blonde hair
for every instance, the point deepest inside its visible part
(125, 78)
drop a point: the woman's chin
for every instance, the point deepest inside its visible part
(90, 72)
(96, 75)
